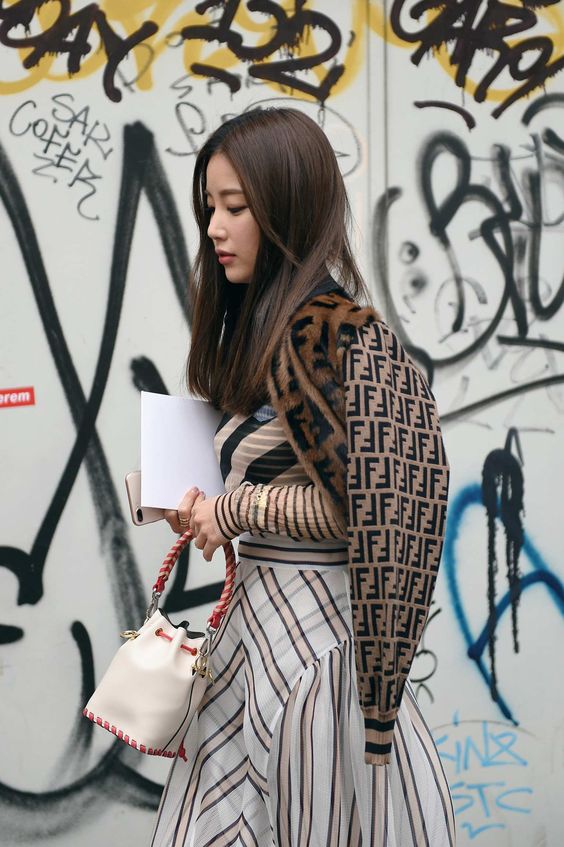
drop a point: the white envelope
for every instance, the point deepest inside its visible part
(177, 449)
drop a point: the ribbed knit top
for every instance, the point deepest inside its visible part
(290, 524)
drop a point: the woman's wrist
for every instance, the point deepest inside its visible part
(242, 510)
(227, 513)
(297, 511)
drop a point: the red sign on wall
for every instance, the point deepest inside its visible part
(17, 397)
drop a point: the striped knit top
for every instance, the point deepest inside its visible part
(278, 513)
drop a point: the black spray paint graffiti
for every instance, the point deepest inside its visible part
(439, 104)
(288, 30)
(27, 815)
(426, 660)
(70, 145)
(535, 570)
(510, 221)
(341, 132)
(191, 118)
(69, 34)
(512, 229)
(471, 31)
(502, 495)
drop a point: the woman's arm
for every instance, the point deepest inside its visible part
(298, 511)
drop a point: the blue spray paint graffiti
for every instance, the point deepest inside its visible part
(539, 572)
(478, 750)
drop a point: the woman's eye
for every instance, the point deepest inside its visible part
(233, 210)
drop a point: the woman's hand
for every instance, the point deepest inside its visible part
(179, 519)
(207, 535)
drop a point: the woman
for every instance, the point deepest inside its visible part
(336, 483)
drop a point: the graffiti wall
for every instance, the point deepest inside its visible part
(448, 122)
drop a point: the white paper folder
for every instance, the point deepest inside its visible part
(177, 449)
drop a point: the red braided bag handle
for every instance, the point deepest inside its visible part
(170, 560)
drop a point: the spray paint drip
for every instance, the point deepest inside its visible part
(502, 495)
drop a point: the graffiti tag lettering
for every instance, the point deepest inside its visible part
(288, 30)
(57, 810)
(473, 750)
(64, 140)
(472, 29)
(69, 34)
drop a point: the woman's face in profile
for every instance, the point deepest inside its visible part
(232, 228)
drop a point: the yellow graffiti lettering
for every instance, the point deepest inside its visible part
(126, 18)
(553, 20)
(551, 24)
(137, 70)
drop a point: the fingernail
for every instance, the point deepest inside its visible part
(193, 490)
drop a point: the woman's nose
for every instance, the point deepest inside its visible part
(216, 228)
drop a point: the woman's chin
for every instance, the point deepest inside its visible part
(236, 278)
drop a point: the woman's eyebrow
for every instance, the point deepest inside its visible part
(225, 191)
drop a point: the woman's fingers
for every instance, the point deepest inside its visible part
(179, 519)
(209, 550)
(185, 507)
(204, 526)
(207, 545)
(200, 521)
(171, 517)
(194, 525)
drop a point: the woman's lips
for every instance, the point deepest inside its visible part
(225, 258)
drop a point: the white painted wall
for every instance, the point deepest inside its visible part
(75, 571)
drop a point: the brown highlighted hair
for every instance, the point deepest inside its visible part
(295, 192)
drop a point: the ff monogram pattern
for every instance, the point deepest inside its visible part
(364, 424)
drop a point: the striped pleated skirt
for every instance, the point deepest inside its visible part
(275, 757)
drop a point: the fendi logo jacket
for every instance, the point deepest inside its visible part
(364, 424)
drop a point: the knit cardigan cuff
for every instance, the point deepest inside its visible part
(379, 731)
(227, 513)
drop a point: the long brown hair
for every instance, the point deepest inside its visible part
(296, 194)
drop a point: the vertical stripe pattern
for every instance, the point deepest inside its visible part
(275, 757)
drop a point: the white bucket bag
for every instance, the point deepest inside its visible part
(155, 682)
